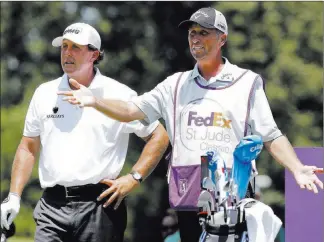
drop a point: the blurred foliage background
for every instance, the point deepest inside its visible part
(280, 40)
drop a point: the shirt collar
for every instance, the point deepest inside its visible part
(223, 76)
(64, 84)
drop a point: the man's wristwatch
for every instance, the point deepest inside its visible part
(137, 176)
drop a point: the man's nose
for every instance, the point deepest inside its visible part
(195, 40)
(67, 51)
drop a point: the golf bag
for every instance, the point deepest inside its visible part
(216, 229)
(223, 199)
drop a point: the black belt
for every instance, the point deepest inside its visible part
(85, 192)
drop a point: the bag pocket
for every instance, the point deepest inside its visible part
(184, 187)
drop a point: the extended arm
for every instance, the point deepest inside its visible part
(283, 152)
(115, 109)
(278, 145)
(119, 110)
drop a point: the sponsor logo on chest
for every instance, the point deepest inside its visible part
(55, 115)
(214, 119)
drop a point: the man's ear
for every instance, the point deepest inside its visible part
(223, 39)
(95, 55)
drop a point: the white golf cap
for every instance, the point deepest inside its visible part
(79, 33)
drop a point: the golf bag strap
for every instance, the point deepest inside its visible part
(242, 205)
(240, 228)
(228, 229)
(250, 193)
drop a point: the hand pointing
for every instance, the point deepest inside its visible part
(82, 96)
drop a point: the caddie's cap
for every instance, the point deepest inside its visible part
(209, 18)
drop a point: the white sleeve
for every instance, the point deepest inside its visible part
(261, 119)
(139, 129)
(153, 103)
(32, 120)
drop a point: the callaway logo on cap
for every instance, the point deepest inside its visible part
(208, 18)
(80, 33)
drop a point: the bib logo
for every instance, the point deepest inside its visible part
(215, 119)
(256, 148)
(72, 31)
(206, 126)
(183, 185)
(227, 76)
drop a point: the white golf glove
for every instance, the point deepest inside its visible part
(10, 205)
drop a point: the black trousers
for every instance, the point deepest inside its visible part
(189, 227)
(74, 215)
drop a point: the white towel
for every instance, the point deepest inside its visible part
(262, 224)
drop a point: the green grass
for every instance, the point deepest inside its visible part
(20, 239)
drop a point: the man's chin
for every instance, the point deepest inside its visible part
(199, 57)
(69, 71)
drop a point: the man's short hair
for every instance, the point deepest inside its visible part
(218, 32)
(101, 54)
